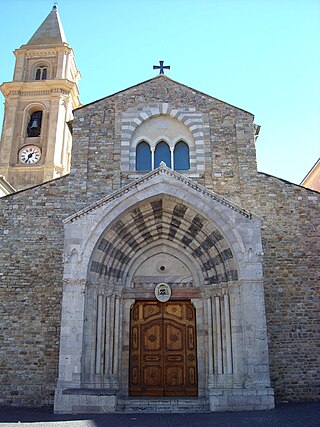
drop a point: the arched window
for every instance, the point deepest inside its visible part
(41, 73)
(143, 157)
(34, 125)
(181, 156)
(162, 154)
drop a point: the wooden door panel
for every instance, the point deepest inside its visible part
(151, 309)
(174, 376)
(170, 358)
(152, 336)
(134, 338)
(174, 337)
(174, 310)
(152, 358)
(152, 376)
(190, 337)
(191, 377)
(163, 359)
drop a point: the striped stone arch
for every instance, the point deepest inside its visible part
(166, 221)
(133, 118)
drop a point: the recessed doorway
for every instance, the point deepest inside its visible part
(163, 349)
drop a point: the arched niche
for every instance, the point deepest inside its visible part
(34, 111)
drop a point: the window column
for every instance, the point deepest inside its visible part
(171, 154)
(152, 157)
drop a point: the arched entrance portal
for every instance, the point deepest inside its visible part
(163, 349)
(158, 240)
(162, 229)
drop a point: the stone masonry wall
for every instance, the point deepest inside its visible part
(31, 236)
(228, 137)
(30, 292)
(31, 260)
(291, 245)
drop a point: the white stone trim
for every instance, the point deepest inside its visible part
(131, 119)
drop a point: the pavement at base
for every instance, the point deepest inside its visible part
(293, 415)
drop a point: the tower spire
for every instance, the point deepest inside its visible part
(50, 31)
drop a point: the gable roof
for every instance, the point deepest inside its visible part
(164, 171)
(50, 31)
(162, 76)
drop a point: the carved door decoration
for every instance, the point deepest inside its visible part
(163, 352)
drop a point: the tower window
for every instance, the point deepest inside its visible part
(181, 156)
(162, 154)
(34, 125)
(41, 73)
(143, 157)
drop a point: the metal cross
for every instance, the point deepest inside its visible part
(161, 67)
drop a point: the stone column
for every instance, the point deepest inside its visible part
(228, 367)
(218, 352)
(255, 334)
(100, 337)
(172, 157)
(125, 310)
(210, 342)
(152, 157)
(115, 366)
(107, 341)
(71, 338)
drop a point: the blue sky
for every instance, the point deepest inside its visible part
(260, 55)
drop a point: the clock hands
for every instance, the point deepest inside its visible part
(30, 155)
(29, 158)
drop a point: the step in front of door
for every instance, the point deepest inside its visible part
(133, 405)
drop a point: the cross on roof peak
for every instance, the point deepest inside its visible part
(161, 67)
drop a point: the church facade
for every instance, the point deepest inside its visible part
(161, 271)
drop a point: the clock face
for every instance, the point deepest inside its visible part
(30, 154)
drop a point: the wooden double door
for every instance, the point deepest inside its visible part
(163, 349)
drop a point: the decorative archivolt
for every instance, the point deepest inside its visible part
(173, 223)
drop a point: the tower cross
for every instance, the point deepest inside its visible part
(161, 67)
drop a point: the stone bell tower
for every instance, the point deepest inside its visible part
(36, 138)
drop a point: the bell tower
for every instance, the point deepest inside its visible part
(36, 138)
